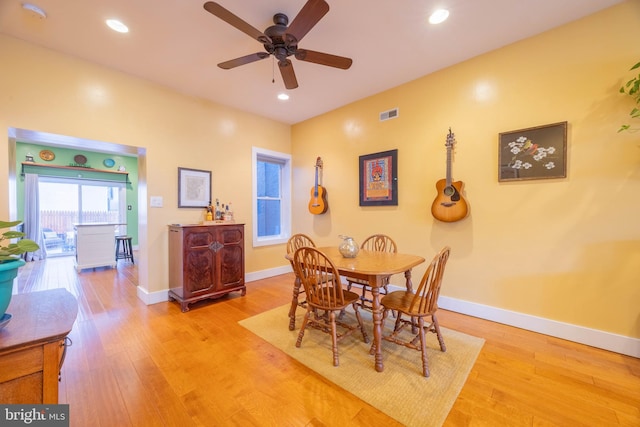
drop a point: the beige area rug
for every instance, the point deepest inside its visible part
(424, 402)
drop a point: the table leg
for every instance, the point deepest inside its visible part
(407, 276)
(294, 304)
(377, 326)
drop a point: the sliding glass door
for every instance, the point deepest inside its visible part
(68, 201)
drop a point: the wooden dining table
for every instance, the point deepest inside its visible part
(373, 267)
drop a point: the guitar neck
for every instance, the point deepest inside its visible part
(315, 191)
(449, 179)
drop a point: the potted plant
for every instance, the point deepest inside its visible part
(10, 261)
(632, 88)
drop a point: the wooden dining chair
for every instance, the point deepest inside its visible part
(416, 307)
(377, 243)
(294, 243)
(323, 287)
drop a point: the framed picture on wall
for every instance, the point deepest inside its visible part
(379, 179)
(534, 153)
(194, 188)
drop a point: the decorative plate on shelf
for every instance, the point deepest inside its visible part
(109, 163)
(80, 159)
(47, 155)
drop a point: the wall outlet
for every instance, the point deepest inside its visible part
(155, 201)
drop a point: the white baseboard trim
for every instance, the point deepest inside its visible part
(580, 334)
(162, 296)
(152, 297)
(264, 274)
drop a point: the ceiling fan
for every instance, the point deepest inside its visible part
(281, 40)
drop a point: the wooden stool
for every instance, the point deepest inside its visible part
(124, 249)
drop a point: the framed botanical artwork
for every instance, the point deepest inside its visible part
(534, 153)
(379, 179)
(194, 188)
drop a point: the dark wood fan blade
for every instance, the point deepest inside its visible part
(307, 18)
(243, 60)
(288, 75)
(324, 59)
(231, 19)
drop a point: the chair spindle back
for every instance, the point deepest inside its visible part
(298, 241)
(379, 243)
(319, 277)
(426, 297)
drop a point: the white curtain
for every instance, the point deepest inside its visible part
(31, 219)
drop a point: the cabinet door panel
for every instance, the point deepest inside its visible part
(231, 236)
(199, 271)
(198, 237)
(231, 266)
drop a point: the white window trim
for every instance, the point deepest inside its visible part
(285, 229)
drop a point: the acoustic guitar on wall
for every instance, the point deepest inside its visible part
(449, 205)
(318, 203)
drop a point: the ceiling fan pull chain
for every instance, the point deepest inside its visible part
(273, 69)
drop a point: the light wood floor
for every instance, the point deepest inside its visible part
(137, 365)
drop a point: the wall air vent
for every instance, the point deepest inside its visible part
(390, 114)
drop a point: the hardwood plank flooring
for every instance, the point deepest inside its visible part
(137, 365)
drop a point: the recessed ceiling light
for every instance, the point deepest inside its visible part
(118, 26)
(283, 96)
(439, 16)
(34, 9)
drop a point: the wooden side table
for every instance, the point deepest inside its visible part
(33, 344)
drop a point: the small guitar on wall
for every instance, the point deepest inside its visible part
(318, 203)
(449, 205)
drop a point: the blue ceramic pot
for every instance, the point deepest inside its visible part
(8, 272)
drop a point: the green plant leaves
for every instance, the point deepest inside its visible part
(632, 88)
(12, 250)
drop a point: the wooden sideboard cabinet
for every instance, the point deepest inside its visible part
(205, 261)
(33, 345)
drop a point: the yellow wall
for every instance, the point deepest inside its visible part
(42, 90)
(562, 249)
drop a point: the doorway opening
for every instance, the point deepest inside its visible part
(55, 140)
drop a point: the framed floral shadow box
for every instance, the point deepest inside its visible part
(534, 153)
(379, 179)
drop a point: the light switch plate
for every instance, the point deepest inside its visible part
(155, 201)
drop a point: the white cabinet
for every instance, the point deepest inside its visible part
(95, 245)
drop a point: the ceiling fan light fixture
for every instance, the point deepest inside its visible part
(117, 25)
(439, 16)
(283, 97)
(34, 9)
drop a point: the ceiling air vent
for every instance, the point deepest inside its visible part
(390, 114)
